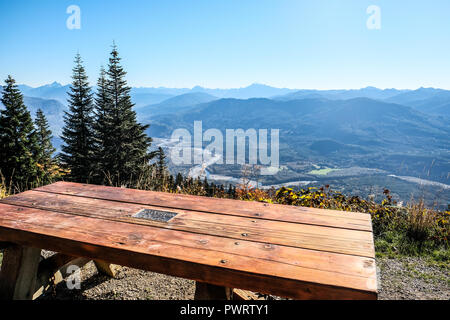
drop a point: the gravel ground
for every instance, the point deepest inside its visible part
(411, 278)
(402, 278)
(129, 284)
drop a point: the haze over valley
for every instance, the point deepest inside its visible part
(358, 141)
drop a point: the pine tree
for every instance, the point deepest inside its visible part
(44, 155)
(17, 139)
(170, 183)
(230, 191)
(161, 165)
(103, 123)
(179, 180)
(125, 148)
(206, 187)
(78, 134)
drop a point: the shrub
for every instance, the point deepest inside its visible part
(420, 222)
(3, 189)
(411, 230)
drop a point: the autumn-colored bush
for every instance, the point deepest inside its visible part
(3, 191)
(414, 223)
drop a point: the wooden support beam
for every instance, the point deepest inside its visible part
(4, 245)
(206, 291)
(239, 294)
(54, 270)
(107, 268)
(18, 272)
(54, 263)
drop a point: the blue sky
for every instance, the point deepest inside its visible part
(319, 44)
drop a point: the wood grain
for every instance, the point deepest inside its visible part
(331, 239)
(252, 209)
(18, 272)
(239, 294)
(146, 247)
(264, 250)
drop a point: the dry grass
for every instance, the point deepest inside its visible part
(4, 192)
(420, 221)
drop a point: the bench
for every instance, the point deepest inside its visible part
(222, 244)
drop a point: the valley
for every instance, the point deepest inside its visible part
(359, 142)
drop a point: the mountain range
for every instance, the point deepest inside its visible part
(427, 100)
(399, 132)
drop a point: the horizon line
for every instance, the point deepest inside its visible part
(252, 84)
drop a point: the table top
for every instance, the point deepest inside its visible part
(295, 252)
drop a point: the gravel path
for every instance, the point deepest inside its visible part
(403, 278)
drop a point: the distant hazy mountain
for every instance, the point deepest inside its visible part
(144, 99)
(357, 132)
(403, 132)
(442, 110)
(427, 100)
(358, 126)
(53, 110)
(145, 96)
(418, 95)
(388, 115)
(253, 91)
(174, 105)
(368, 92)
(160, 90)
(54, 91)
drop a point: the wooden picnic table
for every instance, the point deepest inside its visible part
(288, 251)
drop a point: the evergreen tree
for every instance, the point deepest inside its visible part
(230, 190)
(103, 123)
(161, 165)
(125, 147)
(179, 180)
(207, 188)
(45, 149)
(170, 183)
(17, 138)
(78, 135)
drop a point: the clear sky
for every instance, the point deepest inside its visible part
(232, 43)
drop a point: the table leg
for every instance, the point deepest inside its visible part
(18, 272)
(54, 270)
(107, 268)
(206, 291)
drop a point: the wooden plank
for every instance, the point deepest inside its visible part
(306, 258)
(107, 268)
(206, 291)
(53, 263)
(239, 294)
(18, 272)
(140, 247)
(252, 209)
(347, 241)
